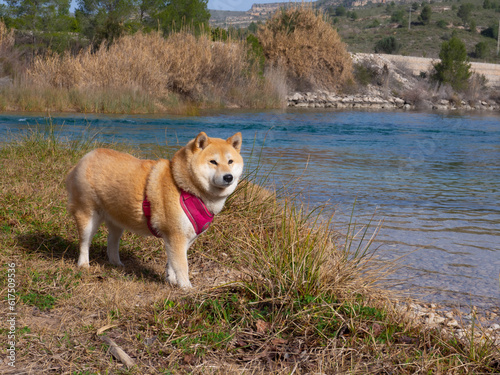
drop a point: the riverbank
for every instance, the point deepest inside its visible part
(400, 83)
(275, 291)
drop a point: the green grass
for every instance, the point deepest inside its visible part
(276, 291)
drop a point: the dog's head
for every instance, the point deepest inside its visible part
(216, 163)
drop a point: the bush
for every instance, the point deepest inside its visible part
(308, 49)
(491, 32)
(442, 24)
(373, 24)
(481, 50)
(398, 16)
(388, 45)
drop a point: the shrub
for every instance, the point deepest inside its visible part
(442, 24)
(398, 16)
(481, 50)
(307, 47)
(373, 24)
(365, 74)
(454, 67)
(388, 45)
(491, 32)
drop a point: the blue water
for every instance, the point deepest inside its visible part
(433, 179)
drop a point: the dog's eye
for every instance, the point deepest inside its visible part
(230, 162)
(213, 162)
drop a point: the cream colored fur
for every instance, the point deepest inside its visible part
(109, 186)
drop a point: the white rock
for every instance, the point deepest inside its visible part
(495, 327)
(452, 323)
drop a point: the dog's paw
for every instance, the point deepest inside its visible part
(170, 278)
(117, 263)
(83, 264)
(185, 285)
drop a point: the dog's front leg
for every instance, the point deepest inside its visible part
(177, 272)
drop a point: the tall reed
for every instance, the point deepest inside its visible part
(193, 67)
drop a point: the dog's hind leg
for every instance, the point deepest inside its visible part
(114, 235)
(87, 224)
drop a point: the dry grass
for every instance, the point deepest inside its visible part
(307, 47)
(192, 68)
(11, 62)
(275, 290)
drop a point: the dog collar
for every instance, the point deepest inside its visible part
(196, 211)
(146, 208)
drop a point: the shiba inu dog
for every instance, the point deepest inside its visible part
(174, 200)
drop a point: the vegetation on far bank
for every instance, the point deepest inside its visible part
(276, 291)
(182, 69)
(178, 71)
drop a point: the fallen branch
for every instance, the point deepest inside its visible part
(118, 352)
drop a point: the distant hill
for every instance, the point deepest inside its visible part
(258, 12)
(261, 12)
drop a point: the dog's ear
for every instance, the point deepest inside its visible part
(201, 141)
(235, 141)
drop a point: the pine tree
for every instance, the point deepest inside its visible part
(454, 67)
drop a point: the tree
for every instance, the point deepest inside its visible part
(454, 67)
(37, 15)
(465, 12)
(425, 14)
(104, 19)
(340, 11)
(177, 14)
(388, 45)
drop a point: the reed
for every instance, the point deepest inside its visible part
(148, 70)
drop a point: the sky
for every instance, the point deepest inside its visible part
(243, 5)
(238, 4)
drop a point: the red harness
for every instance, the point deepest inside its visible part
(196, 211)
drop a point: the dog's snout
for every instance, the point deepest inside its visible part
(228, 178)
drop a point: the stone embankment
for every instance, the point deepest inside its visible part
(324, 99)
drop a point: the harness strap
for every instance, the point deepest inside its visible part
(146, 208)
(196, 211)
